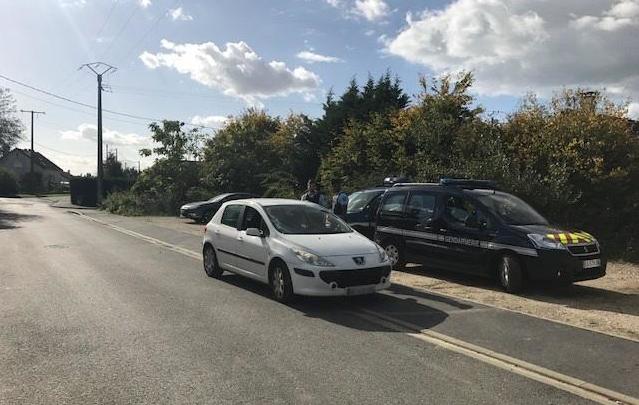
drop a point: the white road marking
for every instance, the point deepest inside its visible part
(546, 376)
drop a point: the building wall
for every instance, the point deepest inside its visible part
(19, 164)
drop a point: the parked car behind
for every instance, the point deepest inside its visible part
(470, 226)
(296, 247)
(203, 211)
(361, 210)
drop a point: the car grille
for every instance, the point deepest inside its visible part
(351, 278)
(585, 249)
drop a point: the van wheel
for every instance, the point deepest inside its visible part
(211, 266)
(281, 283)
(395, 253)
(511, 275)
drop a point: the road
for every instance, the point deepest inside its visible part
(93, 314)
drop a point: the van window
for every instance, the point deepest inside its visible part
(393, 204)
(461, 213)
(421, 205)
(231, 215)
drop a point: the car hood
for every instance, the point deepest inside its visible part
(564, 235)
(339, 244)
(195, 204)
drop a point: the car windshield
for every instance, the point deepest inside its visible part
(511, 209)
(305, 220)
(360, 199)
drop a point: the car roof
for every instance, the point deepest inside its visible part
(268, 202)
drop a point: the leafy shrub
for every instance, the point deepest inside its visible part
(8, 183)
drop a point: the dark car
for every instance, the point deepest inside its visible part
(203, 211)
(361, 209)
(470, 226)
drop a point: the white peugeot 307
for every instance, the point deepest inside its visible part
(296, 247)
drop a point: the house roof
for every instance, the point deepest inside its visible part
(39, 159)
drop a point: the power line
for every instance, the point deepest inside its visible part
(117, 36)
(139, 117)
(115, 3)
(146, 34)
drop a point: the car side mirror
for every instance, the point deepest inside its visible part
(254, 232)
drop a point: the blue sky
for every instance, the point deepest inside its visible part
(199, 61)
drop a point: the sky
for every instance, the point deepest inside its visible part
(202, 61)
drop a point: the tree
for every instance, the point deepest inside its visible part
(242, 153)
(10, 125)
(113, 168)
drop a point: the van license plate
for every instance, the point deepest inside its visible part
(368, 289)
(588, 264)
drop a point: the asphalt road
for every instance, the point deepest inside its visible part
(91, 315)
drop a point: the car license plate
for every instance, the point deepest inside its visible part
(588, 264)
(367, 289)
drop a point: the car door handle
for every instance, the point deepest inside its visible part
(241, 239)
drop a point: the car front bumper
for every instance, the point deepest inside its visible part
(309, 280)
(190, 214)
(560, 265)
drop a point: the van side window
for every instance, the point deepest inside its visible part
(393, 204)
(461, 213)
(421, 206)
(231, 215)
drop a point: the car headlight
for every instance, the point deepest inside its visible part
(543, 242)
(383, 257)
(311, 258)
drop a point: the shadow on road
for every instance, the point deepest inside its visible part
(576, 296)
(10, 220)
(404, 303)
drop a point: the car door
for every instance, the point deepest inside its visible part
(421, 236)
(252, 252)
(226, 236)
(465, 231)
(390, 218)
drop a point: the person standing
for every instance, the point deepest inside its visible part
(314, 195)
(340, 201)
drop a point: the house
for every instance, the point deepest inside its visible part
(18, 162)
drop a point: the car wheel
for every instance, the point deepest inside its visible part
(281, 283)
(211, 266)
(395, 254)
(511, 275)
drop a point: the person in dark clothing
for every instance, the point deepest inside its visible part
(313, 194)
(340, 200)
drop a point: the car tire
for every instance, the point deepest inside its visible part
(211, 266)
(281, 283)
(395, 253)
(510, 273)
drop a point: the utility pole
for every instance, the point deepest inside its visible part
(138, 166)
(32, 114)
(100, 69)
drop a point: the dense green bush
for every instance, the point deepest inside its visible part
(8, 183)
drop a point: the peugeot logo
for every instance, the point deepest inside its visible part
(359, 260)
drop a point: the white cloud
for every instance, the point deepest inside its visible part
(90, 132)
(215, 121)
(514, 46)
(144, 3)
(312, 57)
(72, 3)
(179, 14)
(372, 10)
(236, 70)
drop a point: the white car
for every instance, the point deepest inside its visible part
(296, 247)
